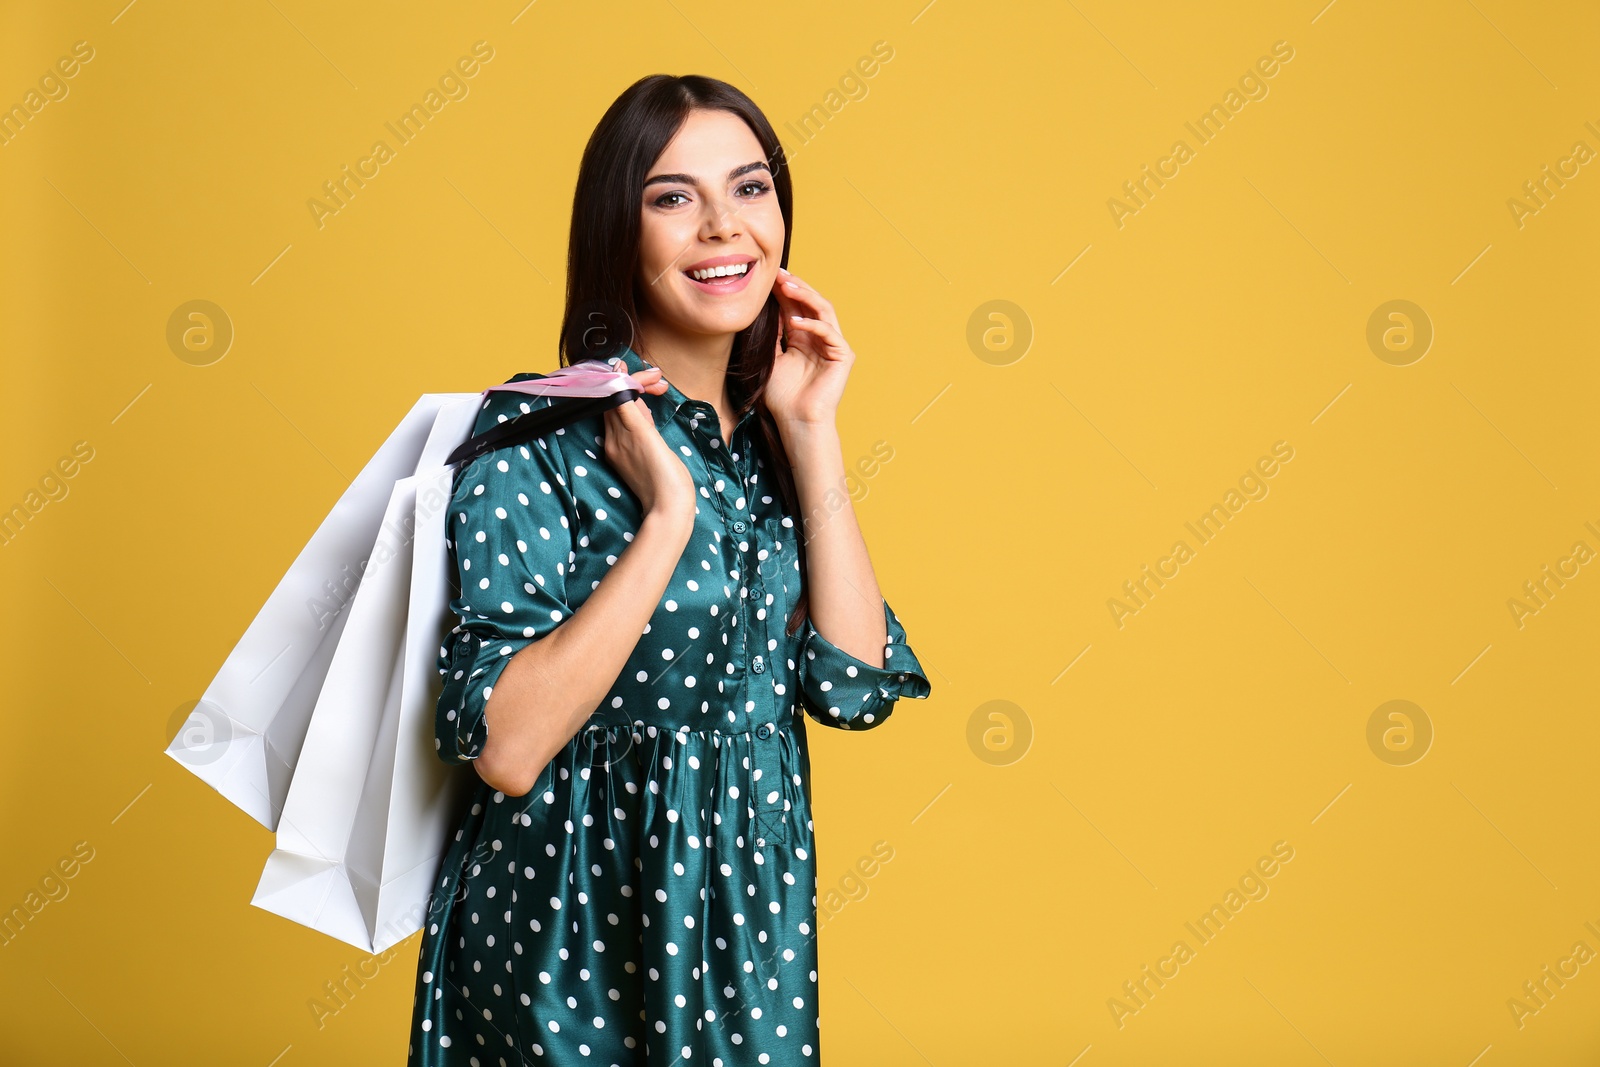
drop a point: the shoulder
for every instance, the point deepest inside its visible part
(500, 406)
(509, 469)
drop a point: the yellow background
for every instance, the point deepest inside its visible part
(1230, 312)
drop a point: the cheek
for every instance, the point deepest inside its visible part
(661, 243)
(769, 232)
(652, 243)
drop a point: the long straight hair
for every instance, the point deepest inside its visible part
(603, 290)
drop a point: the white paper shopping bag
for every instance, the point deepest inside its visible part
(368, 811)
(245, 735)
(320, 724)
(412, 800)
(305, 877)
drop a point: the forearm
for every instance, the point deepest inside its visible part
(552, 686)
(846, 605)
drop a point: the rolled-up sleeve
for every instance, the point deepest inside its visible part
(511, 536)
(840, 690)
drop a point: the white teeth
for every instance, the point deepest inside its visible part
(719, 272)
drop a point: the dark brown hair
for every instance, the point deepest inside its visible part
(603, 293)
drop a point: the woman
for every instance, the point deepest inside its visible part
(635, 879)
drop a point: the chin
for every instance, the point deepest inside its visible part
(726, 323)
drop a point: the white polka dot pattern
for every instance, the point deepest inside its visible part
(653, 897)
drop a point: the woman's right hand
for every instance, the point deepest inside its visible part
(635, 448)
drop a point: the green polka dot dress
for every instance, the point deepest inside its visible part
(653, 898)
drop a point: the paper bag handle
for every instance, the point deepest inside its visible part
(588, 387)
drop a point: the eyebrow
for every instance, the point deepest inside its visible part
(688, 179)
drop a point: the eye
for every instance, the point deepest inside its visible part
(661, 201)
(760, 187)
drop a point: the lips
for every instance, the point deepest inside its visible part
(716, 262)
(721, 275)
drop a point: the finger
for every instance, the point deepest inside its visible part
(620, 365)
(821, 329)
(642, 417)
(810, 306)
(795, 295)
(793, 283)
(622, 422)
(622, 416)
(651, 378)
(794, 286)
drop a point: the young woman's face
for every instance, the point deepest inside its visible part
(708, 203)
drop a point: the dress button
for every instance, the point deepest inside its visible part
(763, 731)
(758, 665)
(738, 526)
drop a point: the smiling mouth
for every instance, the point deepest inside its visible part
(731, 277)
(722, 275)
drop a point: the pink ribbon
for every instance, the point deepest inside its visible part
(588, 377)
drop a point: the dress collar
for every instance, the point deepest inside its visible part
(668, 405)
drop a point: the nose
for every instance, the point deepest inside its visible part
(722, 218)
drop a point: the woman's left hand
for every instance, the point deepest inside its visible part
(807, 377)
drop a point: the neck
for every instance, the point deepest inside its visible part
(696, 363)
